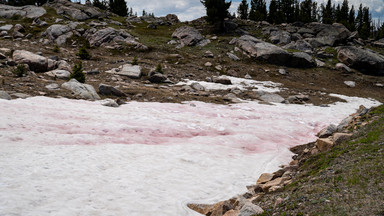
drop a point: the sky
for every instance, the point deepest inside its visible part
(188, 10)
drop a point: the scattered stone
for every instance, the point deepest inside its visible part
(338, 138)
(282, 71)
(60, 74)
(232, 212)
(328, 131)
(197, 86)
(250, 209)
(233, 56)
(268, 185)
(5, 51)
(324, 144)
(84, 91)
(35, 62)
(53, 86)
(265, 177)
(131, 71)
(271, 97)
(157, 78)
(21, 95)
(319, 63)
(109, 103)
(342, 67)
(208, 54)
(350, 84)
(189, 36)
(208, 64)
(4, 95)
(223, 80)
(7, 27)
(110, 90)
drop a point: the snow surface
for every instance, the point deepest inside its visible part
(237, 83)
(73, 157)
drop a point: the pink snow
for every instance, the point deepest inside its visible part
(74, 157)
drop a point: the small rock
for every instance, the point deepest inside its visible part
(197, 86)
(21, 95)
(84, 91)
(328, 131)
(250, 209)
(232, 212)
(157, 78)
(6, 27)
(60, 74)
(109, 102)
(53, 86)
(275, 182)
(4, 95)
(265, 177)
(233, 56)
(350, 84)
(219, 68)
(247, 76)
(338, 138)
(282, 71)
(223, 80)
(324, 144)
(208, 64)
(208, 54)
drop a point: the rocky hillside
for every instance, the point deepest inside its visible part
(41, 45)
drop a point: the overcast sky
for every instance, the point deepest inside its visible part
(192, 9)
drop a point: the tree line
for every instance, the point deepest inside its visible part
(290, 11)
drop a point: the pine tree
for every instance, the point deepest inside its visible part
(217, 11)
(144, 13)
(288, 10)
(314, 12)
(242, 10)
(118, 7)
(306, 11)
(327, 13)
(296, 11)
(351, 19)
(380, 32)
(359, 18)
(258, 10)
(365, 31)
(102, 5)
(338, 13)
(344, 16)
(273, 11)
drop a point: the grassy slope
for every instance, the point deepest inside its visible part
(347, 180)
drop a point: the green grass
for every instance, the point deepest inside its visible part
(347, 180)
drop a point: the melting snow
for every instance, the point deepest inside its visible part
(73, 157)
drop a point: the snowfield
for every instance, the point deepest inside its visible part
(73, 157)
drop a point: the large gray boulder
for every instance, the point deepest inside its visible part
(328, 35)
(28, 11)
(60, 33)
(189, 36)
(84, 91)
(106, 36)
(364, 60)
(302, 60)
(300, 45)
(280, 37)
(76, 11)
(273, 54)
(131, 71)
(35, 62)
(105, 89)
(263, 51)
